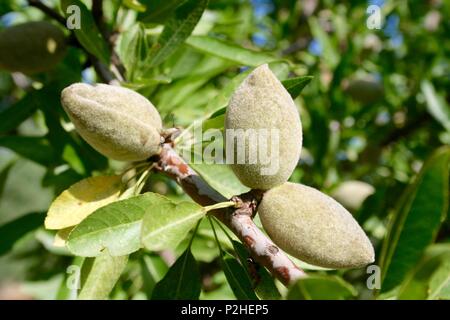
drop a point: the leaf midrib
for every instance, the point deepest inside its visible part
(177, 222)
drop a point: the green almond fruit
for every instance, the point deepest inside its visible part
(31, 47)
(117, 122)
(261, 104)
(365, 89)
(314, 228)
(352, 194)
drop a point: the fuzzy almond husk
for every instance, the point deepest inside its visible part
(31, 47)
(117, 122)
(261, 102)
(314, 228)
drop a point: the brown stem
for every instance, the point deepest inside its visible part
(102, 70)
(261, 248)
(48, 11)
(97, 13)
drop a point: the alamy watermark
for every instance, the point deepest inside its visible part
(375, 18)
(233, 146)
(73, 21)
(373, 281)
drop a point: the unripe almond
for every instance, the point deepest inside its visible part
(365, 89)
(31, 47)
(261, 102)
(351, 194)
(314, 228)
(117, 122)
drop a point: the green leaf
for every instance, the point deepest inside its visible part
(153, 269)
(436, 104)
(176, 30)
(133, 50)
(4, 176)
(17, 113)
(12, 231)
(88, 35)
(237, 278)
(61, 237)
(229, 51)
(116, 227)
(220, 102)
(329, 50)
(135, 5)
(99, 276)
(221, 178)
(166, 225)
(182, 281)
(416, 285)
(69, 292)
(295, 85)
(265, 284)
(417, 219)
(36, 149)
(7, 6)
(216, 120)
(317, 287)
(83, 198)
(48, 101)
(159, 10)
(440, 282)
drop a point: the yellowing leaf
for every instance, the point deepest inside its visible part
(61, 237)
(82, 199)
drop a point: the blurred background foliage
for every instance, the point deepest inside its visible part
(375, 111)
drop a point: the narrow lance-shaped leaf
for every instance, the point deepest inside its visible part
(265, 284)
(420, 283)
(215, 121)
(317, 287)
(176, 30)
(18, 112)
(87, 33)
(229, 51)
(182, 281)
(36, 149)
(68, 290)
(135, 5)
(295, 85)
(166, 225)
(238, 278)
(133, 49)
(159, 10)
(12, 231)
(221, 178)
(100, 275)
(417, 219)
(440, 282)
(330, 53)
(4, 173)
(436, 105)
(153, 269)
(116, 227)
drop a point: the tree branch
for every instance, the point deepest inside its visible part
(117, 68)
(97, 13)
(261, 248)
(48, 11)
(102, 70)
